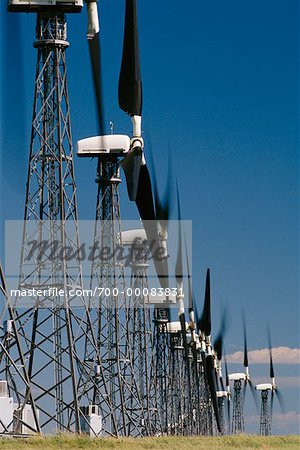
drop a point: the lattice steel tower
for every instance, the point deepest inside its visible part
(238, 425)
(116, 360)
(52, 325)
(265, 420)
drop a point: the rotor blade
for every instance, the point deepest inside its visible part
(218, 343)
(184, 335)
(272, 375)
(244, 390)
(179, 265)
(131, 165)
(272, 403)
(144, 198)
(162, 206)
(144, 202)
(205, 321)
(280, 399)
(246, 362)
(95, 56)
(228, 393)
(211, 380)
(254, 395)
(130, 84)
(222, 383)
(228, 411)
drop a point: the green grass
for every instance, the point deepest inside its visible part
(244, 442)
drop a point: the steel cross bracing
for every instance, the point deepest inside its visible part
(221, 404)
(238, 425)
(141, 341)
(162, 344)
(265, 420)
(116, 387)
(15, 374)
(51, 328)
(177, 395)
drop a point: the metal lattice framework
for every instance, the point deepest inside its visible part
(117, 391)
(52, 326)
(15, 374)
(265, 420)
(162, 344)
(238, 425)
(141, 339)
(177, 392)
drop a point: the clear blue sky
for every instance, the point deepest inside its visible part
(221, 82)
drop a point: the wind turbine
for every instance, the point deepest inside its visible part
(266, 410)
(240, 382)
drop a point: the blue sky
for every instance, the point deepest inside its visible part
(221, 84)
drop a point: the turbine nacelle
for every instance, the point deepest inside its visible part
(69, 6)
(239, 376)
(264, 387)
(117, 144)
(222, 394)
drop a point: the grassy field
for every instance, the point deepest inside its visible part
(170, 443)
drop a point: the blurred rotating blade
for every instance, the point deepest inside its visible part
(162, 205)
(179, 265)
(131, 166)
(145, 205)
(211, 380)
(130, 84)
(270, 354)
(228, 392)
(95, 56)
(219, 341)
(280, 399)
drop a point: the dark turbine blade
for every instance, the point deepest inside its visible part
(211, 380)
(205, 321)
(218, 344)
(246, 363)
(131, 165)
(144, 197)
(162, 206)
(270, 353)
(144, 202)
(130, 84)
(280, 400)
(95, 55)
(179, 266)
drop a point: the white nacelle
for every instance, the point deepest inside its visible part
(37, 5)
(99, 145)
(175, 327)
(131, 236)
(264, 387)
(237, 376)
(221, 394)
(159, 299)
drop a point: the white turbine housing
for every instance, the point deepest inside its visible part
(175, 327)
(99, 145)
(131, 236)
(264, 387)
(38, 5)
(93, 19)
(221, 394)
(240, 376)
